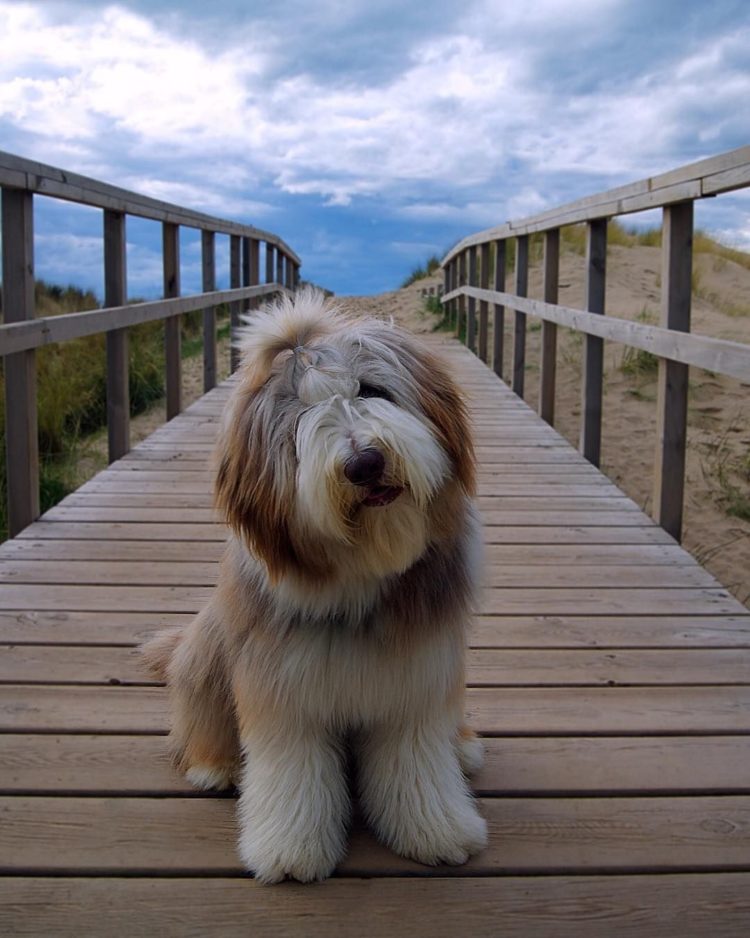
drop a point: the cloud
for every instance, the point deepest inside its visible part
(387, 110)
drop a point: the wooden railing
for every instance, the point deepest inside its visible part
(467, 269)
(20, 181)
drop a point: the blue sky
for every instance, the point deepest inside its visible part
(369, 135)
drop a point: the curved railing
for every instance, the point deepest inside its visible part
(467, 268)
(21, 334)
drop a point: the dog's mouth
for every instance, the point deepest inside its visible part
(379, 496)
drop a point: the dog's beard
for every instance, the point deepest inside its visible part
(363, 535)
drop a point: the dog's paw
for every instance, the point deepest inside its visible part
(210, 777)
(305, 862)
(470, 752)
(452, 842)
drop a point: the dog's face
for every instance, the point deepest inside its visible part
(343, 446)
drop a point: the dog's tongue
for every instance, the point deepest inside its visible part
(381, 495)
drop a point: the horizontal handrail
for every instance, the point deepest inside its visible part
(695, 181)
(35, 333)
(467, 268)
(721, 356)
(19, 173)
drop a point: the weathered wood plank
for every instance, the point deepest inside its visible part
(496, 711)
(672, 906)
(537, 835)
(501, 667)
(103, 764)
(115, 294)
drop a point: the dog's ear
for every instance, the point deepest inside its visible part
(254, 486)
(443, 405)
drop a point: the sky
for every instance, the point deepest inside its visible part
(368, 134)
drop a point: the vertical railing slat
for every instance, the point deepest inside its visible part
(669, 469)
(461, 311)
(519, 332)
(498, 316)
(254, 270)
(235, 277)
(471, 304)
(484, 283)
(208, 264)
(593, 351)
(115, 294)
(551, 279)
(171, 258)
(270, 262)
(280, 267)
(21, 438)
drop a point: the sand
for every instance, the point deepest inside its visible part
(719, 418)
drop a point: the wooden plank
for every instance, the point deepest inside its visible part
(493, 711)
(510, 601)
(21, 443)
(613, 631)
(676, 293)
(499, 667)
(160, 572)
(539, 835)
(551, 279)
(171, 266)
(205, 552)
(721, 173)
(104, 599)
(671, 906)
(119, 531)
(718, 355)
(19, 336)
(507, 668)
(33, 176)
(115, 294)
(92, 628)
(520, 533)
(660, 765)
(609, 711)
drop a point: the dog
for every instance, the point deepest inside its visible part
(337, 629)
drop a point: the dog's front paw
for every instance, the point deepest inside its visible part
(274, 862)
(452, 842)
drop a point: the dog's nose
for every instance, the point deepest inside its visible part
(365, 468)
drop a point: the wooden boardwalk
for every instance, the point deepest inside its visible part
(609, 673)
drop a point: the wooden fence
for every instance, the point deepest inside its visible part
(20, 181)
(467, 269)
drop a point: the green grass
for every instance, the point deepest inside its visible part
(71, 392)
(425, 270)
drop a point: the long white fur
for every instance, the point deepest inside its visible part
(322, 683)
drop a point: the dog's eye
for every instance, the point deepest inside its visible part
(369, 390)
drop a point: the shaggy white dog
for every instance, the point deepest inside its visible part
(346, 473)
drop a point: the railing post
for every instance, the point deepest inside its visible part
(519, 333)
(115, 294)
(235, 308)
(171, 241)
(461, 312)
(208, 262)
(593, 361)
(551, 276)
(279, 267)
(21, 439)
(677, 265)
(471, 306)
(498, 318)
(253, 270)
(484, 283)
(269, 262)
